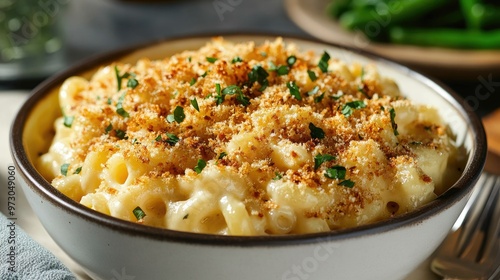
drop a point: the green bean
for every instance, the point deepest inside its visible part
(471, 14)
(446, 37)
(402, 11)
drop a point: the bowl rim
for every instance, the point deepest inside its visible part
(44, 189)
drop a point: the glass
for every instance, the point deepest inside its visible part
(30, 38)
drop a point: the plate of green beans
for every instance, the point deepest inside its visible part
(453, 39)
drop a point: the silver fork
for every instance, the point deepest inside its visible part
(472, 249)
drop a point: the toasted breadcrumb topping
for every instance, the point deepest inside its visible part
(267, 113)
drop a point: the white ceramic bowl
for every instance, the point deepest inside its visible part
(105, 246)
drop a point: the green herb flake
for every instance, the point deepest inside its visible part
(158, 138)
(236, 90)
(394, 125)
(78, 170)
(291, 60)
(109, 101)
(132, 82)
(312, 75)
(178, 115)
(185, 216)
(348, 108)
(138, 213)
(121, 134)
(319, 98)
(316, 132)
(204, 74)
(192, 82)
(319, 159)
(64, 169)
(294, 90)
(323, 62)
(222, 155)
(219, 98)
(211, 59)
(313, 91)
(347, 183)
(68, 121)
(172, 139)
(236, 60)
(119, 107)
(108, 128)
(264, 54)
(258, 74)
(200, 165)
(277, 176)
(336, 172)
(194, 103)
(282, 70)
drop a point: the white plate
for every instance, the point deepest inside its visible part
(451, 64)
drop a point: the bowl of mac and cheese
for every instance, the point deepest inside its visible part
(246, 157)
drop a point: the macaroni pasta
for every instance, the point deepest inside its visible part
(246, 139)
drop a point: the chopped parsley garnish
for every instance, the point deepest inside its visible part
(64, 169)
(319, 159)
(200, 165)
(319, 98)
(348, 108)
(294, 90)
(119, 107)
(204, 74)
(258, 74)
(132, 82)
(313, 91)
(282, 70)
(211, 59)
(337, 96)
(194, 103)
(108, 128)
(138, 213)
(222, 155)
(219, 98)
(178, 115)
(237, 59)
(172, 139)
(291, 60)
(236, 90)
(323, 62)
(121, 134)
(78, 170)
(109, 101)
(347, 183)
(316, 132)
(277, 176)
(416, 143)
(394, 125)
(193, 81)
(68, 121)
(312, 75)
(336, 172)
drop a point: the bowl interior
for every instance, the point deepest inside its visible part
(33, 126)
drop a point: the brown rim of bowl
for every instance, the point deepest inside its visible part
(44, 189)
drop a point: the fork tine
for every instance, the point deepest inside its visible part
(475, 234)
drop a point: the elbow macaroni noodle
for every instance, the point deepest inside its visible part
(266, 141)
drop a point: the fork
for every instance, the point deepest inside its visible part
(472, 249)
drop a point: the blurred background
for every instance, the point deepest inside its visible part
(41, 37)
